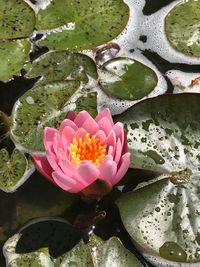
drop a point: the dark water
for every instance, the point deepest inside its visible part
(19, 207)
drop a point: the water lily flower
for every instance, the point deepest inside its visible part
(85, 155)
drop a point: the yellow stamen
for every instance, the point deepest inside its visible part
(87, 148)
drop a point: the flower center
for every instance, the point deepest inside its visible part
(87, 148)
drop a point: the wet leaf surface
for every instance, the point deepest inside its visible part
(165, 220)
(15, 169)
(13, 54)
(60, 66)
(163, 134)
(182, 27)
(17, 19)
(127, 79)
(81, 24)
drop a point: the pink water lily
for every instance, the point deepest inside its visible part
(85, 153)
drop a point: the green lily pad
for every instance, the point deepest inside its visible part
(163, 133)
(39, 107)
(87, 102)
(60, 66)
(81, 24)
(13, 54)
(182, 27)
(59, 235)
(127, 79)
(17, 19)
(164, 223)
(14, 169)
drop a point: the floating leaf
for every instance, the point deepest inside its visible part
(13, 54)
(87, 102)
(163, 133)
(164, 223)
(59, 66)
(14, 170)
(39, 107)
(17, 19)
(81, 24)
(127, 79)
(41, 240)
(182, 27)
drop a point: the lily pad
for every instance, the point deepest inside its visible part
(39, 107)
(17, 19)
(87, 102)
(128, 79)
(13, 54)
(59, 66)
(182, 27)
(164, 223)
(81, 24)
(50, 235)
(14, 169)
(163, 133)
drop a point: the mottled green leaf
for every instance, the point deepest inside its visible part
(182, 27)
(13, 54)
(60, 66)
(163, 133)
(15, 169)
(127, 79)
(87, 102)
(39, 107)
(165, 220)
(17, 19)
(81, 24)
(27, 247)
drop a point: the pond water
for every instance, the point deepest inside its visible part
(29, 201)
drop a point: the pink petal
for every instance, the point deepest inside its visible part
(118, 128)
(67, 167)
(105, 113)
(69, 123)
(67, 137)
(80, 133)
(125, 147)
(90, 126)
(53, 161)
(88, 172)
(81, 118)
(110, 151)
(49, 134)
(71, 115)
(125, 163)
(57, 145)
(118, 151)
(111, 141)
(66, 183)
(43, 166)
(105, 125)
(101, 136)
(108, 170)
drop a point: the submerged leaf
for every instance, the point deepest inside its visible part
(81, 24)
(127, 79)
(13, 55)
